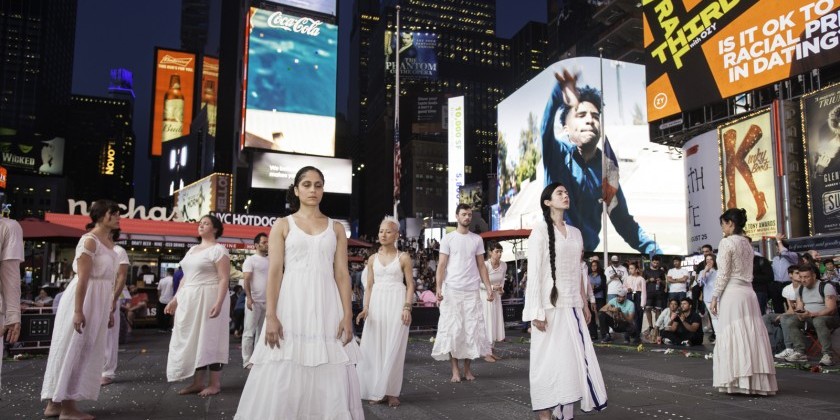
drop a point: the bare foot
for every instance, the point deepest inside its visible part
(469, 376)
(106, 381)
(496, 357)
(489, 359)
(374, 402)
(52, 410)
(192, 389)
(249, 366)
(455, 379)
(74, 415)
(393, 402)
(210, 390)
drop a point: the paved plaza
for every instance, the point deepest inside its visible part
(640, 384)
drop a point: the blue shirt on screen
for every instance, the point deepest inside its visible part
(563, 163)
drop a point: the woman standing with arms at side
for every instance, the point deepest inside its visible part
(305, 367)
(493, 315)
(77, 351)
(563, 367)
(389, 296)
(201, 308)
(743, 359)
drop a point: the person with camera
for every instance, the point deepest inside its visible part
(616, 274)
(619, 314)
(685, 326)
(816, 304)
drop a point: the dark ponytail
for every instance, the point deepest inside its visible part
(738, 217)
(552, 253)
(100, 209)
(291, 198)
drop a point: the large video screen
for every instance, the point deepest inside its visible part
(821, 120)
(173, 96)
(537, 146)
(698, 52)
(30, 155)
(320, 6)
(291, 84)
(277, 171)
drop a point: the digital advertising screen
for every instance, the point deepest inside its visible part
(702, 179)
(37, 156)
(538, 133)
(321, 6)
(210, 91)
(748, 172)
(208, 194)
(173, 96)
(455, 151)
(698, 52)
(277, 171)
(418, 55)
(821, 121)
(290, 92)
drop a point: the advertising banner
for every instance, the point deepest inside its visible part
(321, 6)
(698, 52)
(173, 96)
(456, 132)
(108, 158)
(3, 174)
(209, 194)
(537, 135)
(45, 157)
(429, 115)
(821, 120)
(788, 114)
(472, 194)
(748, 172)
(418, 55)
(210, 91)
(277, 171)
(702, 180)
(291, 84)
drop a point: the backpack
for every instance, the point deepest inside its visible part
(822, 290)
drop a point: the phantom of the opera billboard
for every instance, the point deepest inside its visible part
(291, 84)
(748, 171)
(698, 52)
(821, 122)
(537, 135)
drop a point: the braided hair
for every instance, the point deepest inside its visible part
(552, 254)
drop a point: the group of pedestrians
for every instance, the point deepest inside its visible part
(304, 360)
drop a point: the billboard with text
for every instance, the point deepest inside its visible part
(418, 55)
(38, 156)
(702, 179)
(210, 91)
(456, 131)
(821, 120)
(277, 171)
(290, 92)
(698, 52)
(172, 102)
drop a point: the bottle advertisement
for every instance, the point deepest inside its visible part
(173, 96)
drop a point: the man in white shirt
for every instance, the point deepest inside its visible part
(461, 332)
(165, 294)
(11, 254)
(677, 279)
(255, 269)
(616, 275)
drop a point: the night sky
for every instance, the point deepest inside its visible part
(124, 34)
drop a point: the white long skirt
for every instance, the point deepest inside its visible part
(384, 341)
(461, 332)
(75, 362)
(197, 340)
(564, 368)
(112, 346)
(743, 358)
(494, 319)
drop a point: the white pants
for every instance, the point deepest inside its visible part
(251, 331)
(112, 346)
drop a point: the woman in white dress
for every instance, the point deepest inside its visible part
(389, 296)
(493, 316)
(77, 350)
(200, 333)
(563, 368)
(112, 344)
(743, 358)
(706, 279)
(306, 366)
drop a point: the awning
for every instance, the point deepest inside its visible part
(37, 229)
(504, 235)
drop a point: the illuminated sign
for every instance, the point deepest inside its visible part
(290, 89)
(211, 193)
(173, 96)
(210, 91)
(107, 159)
(698, 52)
(456, 154)
(277, 171)
(44, 156)
(418, 58)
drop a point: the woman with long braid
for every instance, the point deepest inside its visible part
(555, 303)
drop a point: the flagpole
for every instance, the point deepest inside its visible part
(603, 155)
(397, 119)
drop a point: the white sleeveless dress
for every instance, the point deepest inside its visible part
(112, 343)
(311, 375)
(75, 361)
(198, 340)
(493, 316)
(384, 338)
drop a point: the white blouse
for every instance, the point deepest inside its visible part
(570, 276)
(735, 261)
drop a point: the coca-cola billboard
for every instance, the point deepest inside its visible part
(290, 89)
